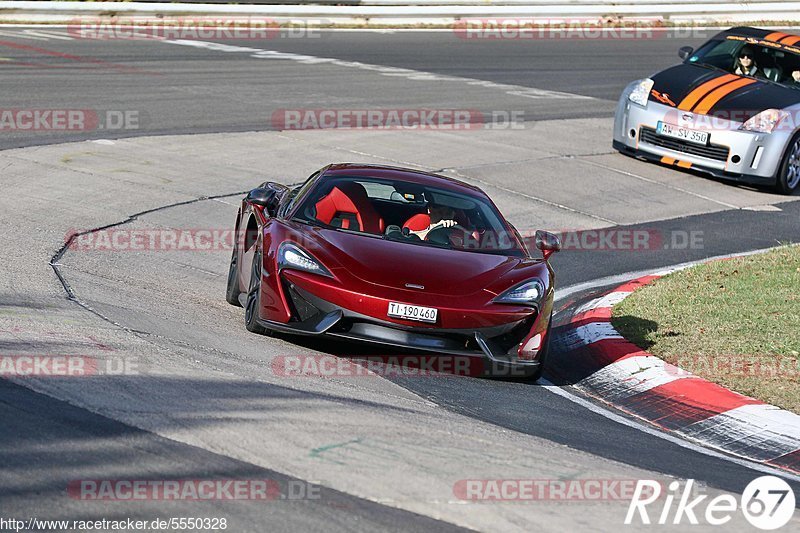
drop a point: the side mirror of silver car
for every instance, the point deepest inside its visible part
(685, 51)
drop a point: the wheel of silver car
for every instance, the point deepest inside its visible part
(793, 178)
(789, 177)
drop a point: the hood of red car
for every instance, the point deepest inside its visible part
(394, 264)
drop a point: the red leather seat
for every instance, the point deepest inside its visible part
(418, 222)
(350, 198)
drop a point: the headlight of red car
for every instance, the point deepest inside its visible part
(292, 256)
(529, 293)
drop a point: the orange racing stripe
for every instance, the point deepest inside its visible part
(667, 160)
(712, 99)
(693, 97)
(684, 164)
(776, 36)
(791, 40)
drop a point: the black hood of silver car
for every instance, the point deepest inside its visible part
(694, 88)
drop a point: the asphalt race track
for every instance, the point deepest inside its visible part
(205, 401)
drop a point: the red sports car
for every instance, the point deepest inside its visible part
(397, 257)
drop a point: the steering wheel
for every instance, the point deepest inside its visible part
(453, 236)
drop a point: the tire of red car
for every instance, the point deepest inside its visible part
(254, 299)
(232, 292)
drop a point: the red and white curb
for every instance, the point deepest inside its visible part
(615, 371)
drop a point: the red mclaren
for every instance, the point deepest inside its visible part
(396, 257)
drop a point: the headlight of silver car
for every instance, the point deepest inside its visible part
(292, 256)
(765, 122)
(641, 92)
(528, 293)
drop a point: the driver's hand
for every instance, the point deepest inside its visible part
(444, 224)
(796, 75)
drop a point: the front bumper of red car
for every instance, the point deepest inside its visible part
(502, 337)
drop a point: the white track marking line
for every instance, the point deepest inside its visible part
(224, 202)
(21, 35)
(48, 35)
(765, 207)
(410, 74)
(559, 391)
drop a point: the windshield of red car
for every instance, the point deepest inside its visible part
(409, 213)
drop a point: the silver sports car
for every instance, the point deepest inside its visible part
(731, 109)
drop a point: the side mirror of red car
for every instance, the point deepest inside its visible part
(267, 196)
(548, 243)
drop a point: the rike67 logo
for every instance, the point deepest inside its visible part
(767, 503)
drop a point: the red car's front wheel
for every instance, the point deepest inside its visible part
(254, 299)
(232, 292)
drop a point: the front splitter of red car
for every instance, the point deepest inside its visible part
(493, 337)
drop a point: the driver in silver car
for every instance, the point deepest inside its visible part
(746, 64)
